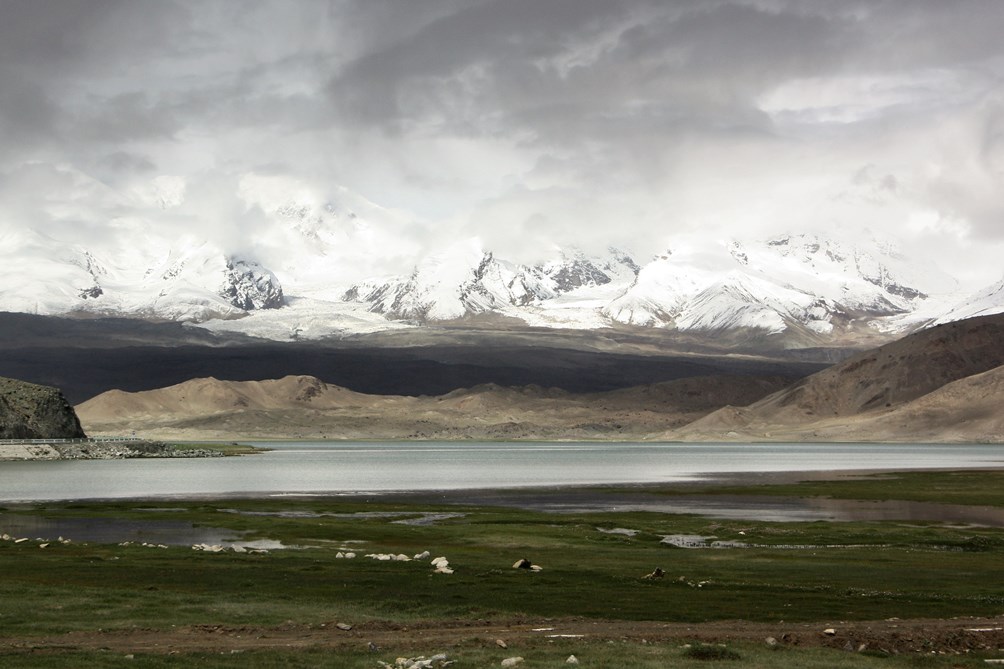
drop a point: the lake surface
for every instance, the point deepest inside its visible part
(344, 468)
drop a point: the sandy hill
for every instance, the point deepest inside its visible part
(204, 397)
(304, 406)
(928, 386)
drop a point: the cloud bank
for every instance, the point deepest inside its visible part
(526, 123)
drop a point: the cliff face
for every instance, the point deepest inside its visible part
(29, 411)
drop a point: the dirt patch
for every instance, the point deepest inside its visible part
(893, 636)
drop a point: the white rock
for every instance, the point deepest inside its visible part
(572, 660)
(512, 661)
(349, 556)
(424, 555)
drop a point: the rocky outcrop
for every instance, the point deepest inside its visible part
(29, 411)
(247, 285)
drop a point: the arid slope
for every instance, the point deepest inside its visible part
(305, 407)
(942, 384)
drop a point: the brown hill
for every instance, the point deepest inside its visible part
(859, 398)
(305, 407)
(30, 411)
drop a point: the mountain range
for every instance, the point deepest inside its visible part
(943, 384)
(295, 266)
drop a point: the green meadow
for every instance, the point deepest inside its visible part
(796, 572)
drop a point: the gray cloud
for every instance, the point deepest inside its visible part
(556, 121)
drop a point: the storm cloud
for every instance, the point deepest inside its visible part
(526, 123)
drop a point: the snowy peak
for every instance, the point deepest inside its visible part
(247, 285)
(872, 277)
(464, 279)
(744, 301)
(985, 302)
(660, 291)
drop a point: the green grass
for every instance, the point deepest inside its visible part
(842, 571)
(977, 488)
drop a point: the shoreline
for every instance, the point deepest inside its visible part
(529, 497)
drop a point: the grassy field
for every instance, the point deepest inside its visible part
(815, 573)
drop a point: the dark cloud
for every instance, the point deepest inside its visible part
(567, 119)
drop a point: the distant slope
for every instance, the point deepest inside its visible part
(304, 406)
(87, 357)
(858, 398)
(29, 411)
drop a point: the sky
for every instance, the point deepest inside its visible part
(643, 124)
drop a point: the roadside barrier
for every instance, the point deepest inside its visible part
(88, 440)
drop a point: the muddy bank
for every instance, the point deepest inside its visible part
(92, 450)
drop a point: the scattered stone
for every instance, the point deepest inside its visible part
(656, 573)
(424, 555)
(420, 662)
(522, 563)
(21, 541)
(501, 644)
(829, 631)
(572, 660)
(512, 661)
(771, 641)
(344, 627)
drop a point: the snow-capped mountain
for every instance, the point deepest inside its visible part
(988, 301)
(298, 262)
(41, 275)
(465, 279)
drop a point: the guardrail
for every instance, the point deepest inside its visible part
(88, 440)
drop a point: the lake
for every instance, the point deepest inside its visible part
(293, 468)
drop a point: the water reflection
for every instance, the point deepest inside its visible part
(735, 507)
(120, 530)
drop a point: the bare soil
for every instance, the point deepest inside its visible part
(893, 636)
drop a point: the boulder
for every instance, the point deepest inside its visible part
(30, 411)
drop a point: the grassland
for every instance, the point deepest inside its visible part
(89, 604)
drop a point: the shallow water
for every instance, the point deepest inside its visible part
(294, 468)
